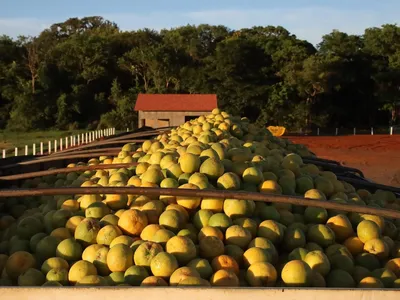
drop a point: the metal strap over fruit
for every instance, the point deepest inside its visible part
(66, 170)
(262, 197)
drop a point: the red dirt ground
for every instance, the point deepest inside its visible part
(378, 156)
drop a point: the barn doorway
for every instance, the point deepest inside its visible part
(189, 118)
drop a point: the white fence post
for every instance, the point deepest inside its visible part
(317, 131)
(127, 129)
(34, 149)
(4, 153)
(26, 150)
(66, 142)
(90, 138)
(337, 131)
(55, 146)
(74, 141)
(16, 151)
(372, 131)
(79, 139)
(86, 138)
(49, 150)
(354, 131)
(391, 130)
(41, 148)
(61, 144)
(71, 141)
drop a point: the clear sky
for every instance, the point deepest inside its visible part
(308, 19)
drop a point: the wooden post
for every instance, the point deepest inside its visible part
(372, 131)
(16, 151)
(391, 130)
(66, 142)
(74, 141)
(71, 141)
(55, 146)
(317, 131)
(34, 149)
(90, 138)
(337, 131)
(49, 150)
(79, 142)
(41, 148)
(61, 144)
(26, 150)
(4, 153)
(354, 131)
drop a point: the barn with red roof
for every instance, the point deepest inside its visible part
(165, 110)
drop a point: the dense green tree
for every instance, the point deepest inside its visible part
(87, 73)
(383, 44)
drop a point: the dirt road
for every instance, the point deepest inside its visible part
(378, 156)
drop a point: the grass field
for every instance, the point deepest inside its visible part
(10, 140)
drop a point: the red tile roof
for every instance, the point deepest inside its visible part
(176, 102)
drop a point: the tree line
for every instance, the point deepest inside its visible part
(87, 73)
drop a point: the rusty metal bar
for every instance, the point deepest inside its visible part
(118, 138)
(111, 150)
(201, 193)
(134, 135)
(67, 170)
(106, 142)
(55, 158)
(368, 184)
(333, 167)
